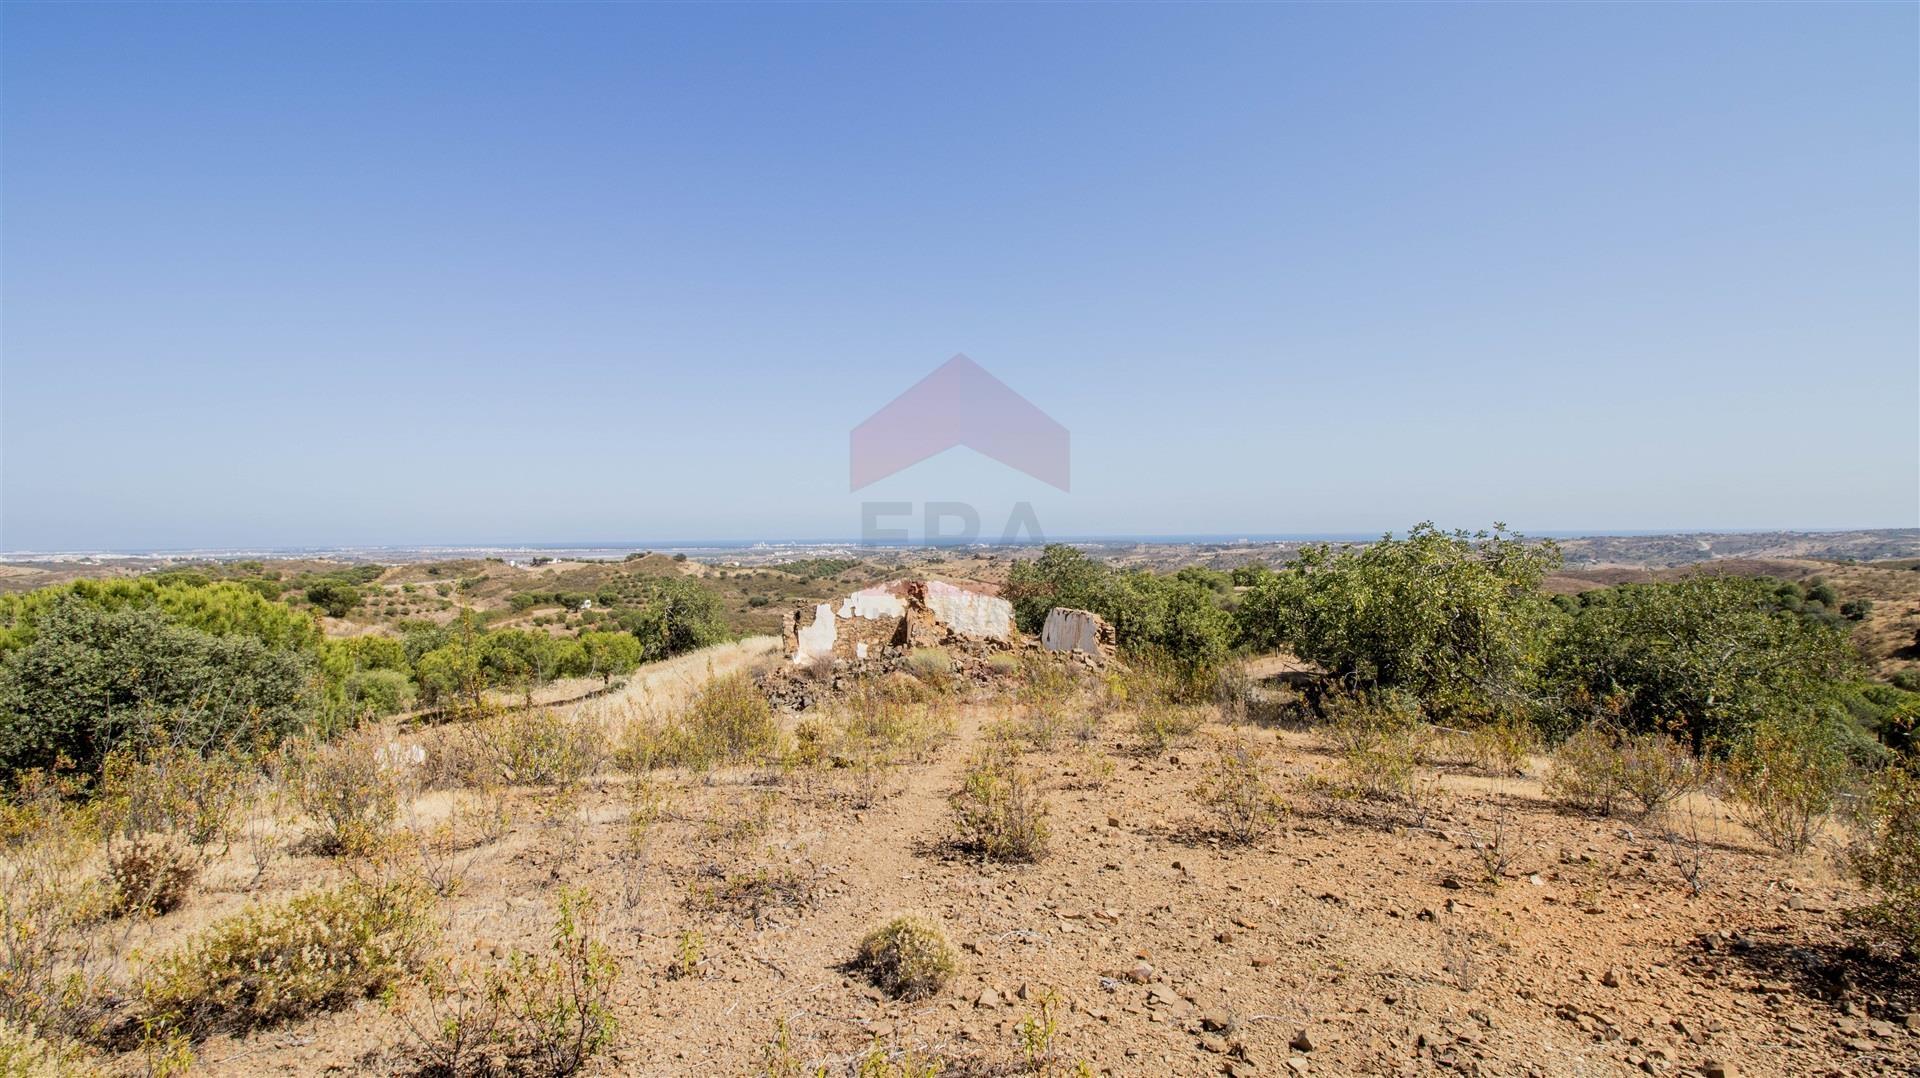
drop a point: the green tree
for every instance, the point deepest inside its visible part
(96, 677)
(608, 655)
(1061, 576)
(336, 597)
(678, 615)
(1710, 654)
(1456, 619)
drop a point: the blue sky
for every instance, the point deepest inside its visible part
(339, 274)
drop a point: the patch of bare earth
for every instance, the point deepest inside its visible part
(1359, 937)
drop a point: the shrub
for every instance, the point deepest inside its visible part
(1160, 722)
(560, 1008)
(50, 896)
(1240, 793)
(316, 952)
(931, 665)
(1657, 770)
(1380, 741)
(1786, 779)
(347, 787)
(1586, 772)
(149, 876)
(908, 958)
(378, 693)
(1001, 664)
(729, 721)
(94, 677)
(178, 791)
(999, 811)
(26, 1055)
(537, 748)
(1503, 747)
(1887, 856)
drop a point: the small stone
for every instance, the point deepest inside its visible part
(1302, 1041)
(1612, 977)
(1716, 1068)
(1218, 1022)
(1114, 821)
(988, 998)
(1881, 1029)
(1297, 1065)
(1141, 973)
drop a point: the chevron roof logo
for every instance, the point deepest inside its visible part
(960, 403)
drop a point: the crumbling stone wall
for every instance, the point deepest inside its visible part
(1071, 629)
(902, 614)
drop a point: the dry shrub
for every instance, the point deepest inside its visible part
(1657, 771)
(24, 1054)
(1786, 779)
(1886, 857)
(150, 876)
(908, 958)
(52, 968)
(1160, 722)
(1240, 792)
(269, 964)
(537, 1015)
(998, 810)
(1003, 664)
(752, 895)
(535, 748)
(349, 787)
(729, 721)
(177, 791)
(1381, 742)
(1502, 747)
(1586, 773)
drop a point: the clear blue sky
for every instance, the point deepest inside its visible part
(313, 274)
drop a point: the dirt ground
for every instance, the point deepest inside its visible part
(1358, 938)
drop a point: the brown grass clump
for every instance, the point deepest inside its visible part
(1240, 793)
(268, 964)
(908, 958)
(999, 811)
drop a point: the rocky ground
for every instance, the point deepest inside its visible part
(1358, 937)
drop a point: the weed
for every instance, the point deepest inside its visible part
(1239, 790)
(689, 950)
(908, 958)
(1161, 722)
(537, 748)
(999, 811)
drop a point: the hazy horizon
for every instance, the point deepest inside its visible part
(325, 275)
